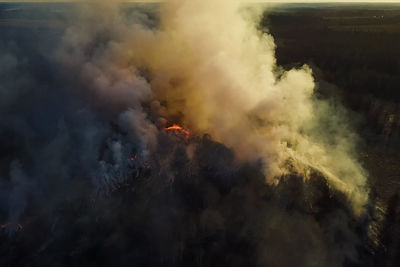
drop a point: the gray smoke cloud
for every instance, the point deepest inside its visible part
(88, 160)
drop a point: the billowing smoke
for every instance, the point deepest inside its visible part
(212, 67)
(211, 64)
(267, 176)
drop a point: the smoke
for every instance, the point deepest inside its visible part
(94, 165)
(216, 72)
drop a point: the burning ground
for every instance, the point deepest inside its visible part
(166, 135)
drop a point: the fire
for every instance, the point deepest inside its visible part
(180, 129)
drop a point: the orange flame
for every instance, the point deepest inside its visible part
(179, 129)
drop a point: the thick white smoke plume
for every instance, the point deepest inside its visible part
(90, 175)
(216, 71)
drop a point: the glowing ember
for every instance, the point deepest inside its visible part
(180, 129)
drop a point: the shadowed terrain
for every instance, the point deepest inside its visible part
(76, 189)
